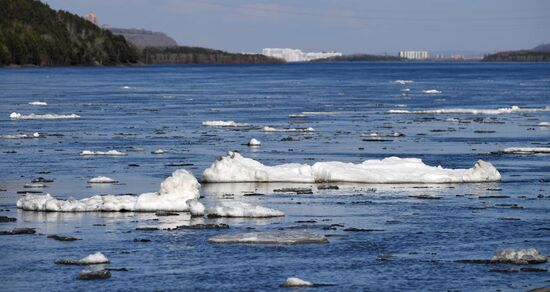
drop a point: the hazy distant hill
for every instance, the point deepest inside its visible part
(542, 48)
(195, 55)
(145, 38)
(539, 53)
(33, 34)
(359, 58)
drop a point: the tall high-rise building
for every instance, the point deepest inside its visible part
(91, 17)
(414, 55)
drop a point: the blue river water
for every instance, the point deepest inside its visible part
(163, 107)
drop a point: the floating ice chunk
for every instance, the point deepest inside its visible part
(271, 129)
(158, 151)
(102, 180)
(403, 82)
(544, 124)
(173, 195)
(94, 274)
(125, 87)
(240, 209)
(296, 282)
(18, 116)
(236, 168)
(21, 136)
(406, 89)
(519, 256)
(471, 111)
(223, 124)
(283, 237)
(196, 208)
(254, 143)
(431, 91)
(524, 150)
(102, 153)
(38, 103)
(93, 259)
(320, 113)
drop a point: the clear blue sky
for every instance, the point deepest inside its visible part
(349, 26)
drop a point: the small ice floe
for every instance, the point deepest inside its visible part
(173, 194)
(296, 116)
(240, 209)
(93, 259)
(524, 150)
(380, 137)
(431, 91)
(94, 275)
(35, 186)
(254, 143)
(159, 151)
(403, 82)
(21, 136)
(102, 153)
(472, 111)
(18, 116)
(135, 149)
(223, 124)
(513, 256)
(102, 180)
(235, 168)
(320, 113)
(125, 87)
(38, 103)
(544, 124)
(294, 282)
(281, 237)
(271, 129)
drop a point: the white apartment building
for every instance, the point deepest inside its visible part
(296, 55)
(414, 55)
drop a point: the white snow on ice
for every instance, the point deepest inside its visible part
(240, 209)
(173, 195)
(254, 143)
(471, 111)
(102, 153)
(403, 82)
(21, 136)
(38, 103)
(223, 124)
(431, 91)
(18, 116)
(102, 180)
(519, 255)
(525, 150)
(235, 168)
(296, 282)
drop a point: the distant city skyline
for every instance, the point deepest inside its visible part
(349, 26)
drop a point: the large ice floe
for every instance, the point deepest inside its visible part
(294, 282)
(240, 209)
(524, 150)
(235, 168)
(18, 116)
(282, 237)
(472, 111)
(173, 195)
